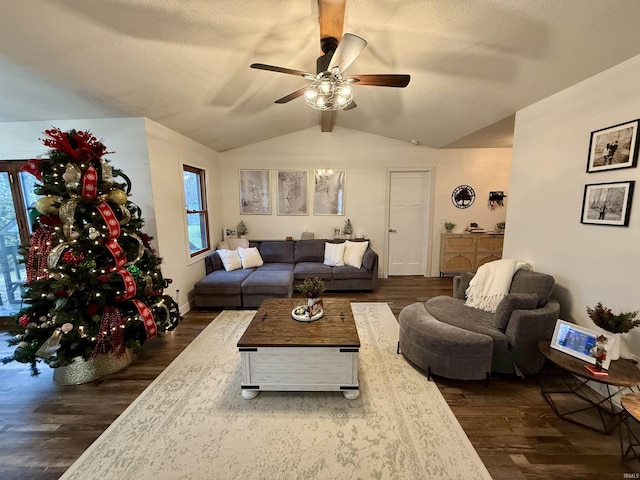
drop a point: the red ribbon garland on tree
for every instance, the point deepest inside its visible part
(129, 285)
(147, 318)
(110, 219)
(110, 326)
(90, 183)
(117, 252)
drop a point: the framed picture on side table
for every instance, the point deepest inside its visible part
(607, 203)
(614, 147)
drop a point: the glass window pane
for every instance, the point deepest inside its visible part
(192, 193)
(197, 229)
(28, 183)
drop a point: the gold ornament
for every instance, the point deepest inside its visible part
(117, 196)
(45, 205)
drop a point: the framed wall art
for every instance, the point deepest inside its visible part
(607, 203)
(328, 192)
(255, 192)
(614, 147)
(292, 186)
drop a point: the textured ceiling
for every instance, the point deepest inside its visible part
(185, 63)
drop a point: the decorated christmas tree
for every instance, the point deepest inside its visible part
(93, 283)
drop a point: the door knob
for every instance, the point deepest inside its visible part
(393, 230)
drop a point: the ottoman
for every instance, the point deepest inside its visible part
(263, 284)
(443, 349)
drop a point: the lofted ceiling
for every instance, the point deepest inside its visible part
(185, 63)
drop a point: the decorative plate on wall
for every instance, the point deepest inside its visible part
(463, 196)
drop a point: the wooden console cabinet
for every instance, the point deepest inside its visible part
(465, 252)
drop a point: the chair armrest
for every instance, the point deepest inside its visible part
(460, 285)
(526, 328)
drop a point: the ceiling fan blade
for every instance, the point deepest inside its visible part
(381, 80)
(290, 71)
(291, 96)
(331, 18)
(348, 50)
(351, 106)
(326, 120)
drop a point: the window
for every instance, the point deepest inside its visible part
(195, 196)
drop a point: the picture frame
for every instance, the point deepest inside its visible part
(337, 232)
(292, 192)
(328, 191)
(607, 203)
(614, 147)
(255, 192)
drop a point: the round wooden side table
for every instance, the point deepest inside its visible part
(623, 377)
(631, 405)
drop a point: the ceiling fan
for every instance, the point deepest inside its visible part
(330, 89)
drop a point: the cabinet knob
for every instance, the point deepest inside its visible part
(393, 230)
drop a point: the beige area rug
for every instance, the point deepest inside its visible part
(192, 423)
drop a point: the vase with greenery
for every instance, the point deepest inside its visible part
(348, 228)
(241, 229)
(500, 226)
(604, 318)
(449, 226)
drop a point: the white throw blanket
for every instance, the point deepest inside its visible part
(491, 283)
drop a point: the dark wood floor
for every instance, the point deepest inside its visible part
(44, 427)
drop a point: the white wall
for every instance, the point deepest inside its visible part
(591, 263)
(168, 150)
(366, 158)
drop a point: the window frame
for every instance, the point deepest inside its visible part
(201, 173)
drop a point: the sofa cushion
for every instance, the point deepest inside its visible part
(510, 303)
(369, 259)
(230, 259)
(276, 267)
(222, 282)
(268, 282)
(346, 272)
(277, 251)
(212, 262)
(540, 284)
(312, 269)
(309, 251)
(353, 253)
(454, 312)
(250, 257)
(333, 254)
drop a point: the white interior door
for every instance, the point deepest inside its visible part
(408, 212)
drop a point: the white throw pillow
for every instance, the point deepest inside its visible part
(333, 254)
(353, 253)
(230, 259)
(250, 257)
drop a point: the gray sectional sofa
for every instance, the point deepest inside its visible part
(286, 263)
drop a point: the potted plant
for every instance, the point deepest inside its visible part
(604, 318)
(348, 228)
(500, 226)
(449, 226)
(241, 229)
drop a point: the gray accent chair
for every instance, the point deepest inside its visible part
(443, 336)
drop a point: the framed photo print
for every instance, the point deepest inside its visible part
(292, 188)
(255, 192)
(328, 192)
(614, 147)
(607, 203)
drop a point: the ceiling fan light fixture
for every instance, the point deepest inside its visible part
(328, 93)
